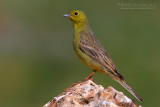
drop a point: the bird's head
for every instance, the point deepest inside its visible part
(77, 17)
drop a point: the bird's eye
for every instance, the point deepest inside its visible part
(76, 13)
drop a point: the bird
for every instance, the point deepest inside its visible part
(90, 51)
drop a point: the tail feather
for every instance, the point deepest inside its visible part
(125, 85)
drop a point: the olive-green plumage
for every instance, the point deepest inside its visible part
(91, 52)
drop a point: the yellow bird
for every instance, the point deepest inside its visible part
(91, 52)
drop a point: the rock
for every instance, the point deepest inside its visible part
(89, 94)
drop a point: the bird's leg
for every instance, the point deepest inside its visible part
(89, 76)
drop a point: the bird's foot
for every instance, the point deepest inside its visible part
(89, 76)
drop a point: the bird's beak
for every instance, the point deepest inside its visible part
(67, 15)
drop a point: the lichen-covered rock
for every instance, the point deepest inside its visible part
(88, 94)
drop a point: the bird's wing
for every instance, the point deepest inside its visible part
(91, 46)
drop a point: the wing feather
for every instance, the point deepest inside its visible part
(91, 46)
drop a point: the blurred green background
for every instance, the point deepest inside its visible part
(37, 61)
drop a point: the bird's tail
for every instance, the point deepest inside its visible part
(125, 85)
